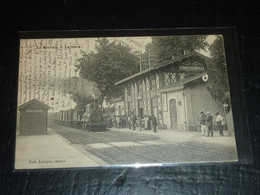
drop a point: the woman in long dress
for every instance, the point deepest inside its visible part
(146, 121)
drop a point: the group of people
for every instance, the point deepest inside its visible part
(207, 126)
(150, 122)
(132, 122)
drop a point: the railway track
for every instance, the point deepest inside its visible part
(83, 138)
(98, 140)
(106, 158)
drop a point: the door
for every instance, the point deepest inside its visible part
(130, 108)
(140, 108)
(154, 107)
(173, 114)
(119, 110)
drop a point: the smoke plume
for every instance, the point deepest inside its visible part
(81, 86)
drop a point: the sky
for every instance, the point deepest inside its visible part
(139, 43)
(46, 67)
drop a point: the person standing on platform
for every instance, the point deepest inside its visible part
(219, 123)
(124, 121)
(121, 121)
(154, 123)
(141, 123)
(114, 120)
(209, 124)
(117, 121)
(149, 122)
(202, 122)
(134, 122)
(110, 121)
(146, 121)
(129, 121)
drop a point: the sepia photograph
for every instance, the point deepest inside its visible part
(131, 101)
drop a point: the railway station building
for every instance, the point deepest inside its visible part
(174, 91)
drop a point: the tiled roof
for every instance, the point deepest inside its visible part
(33, 101)
(164, 64)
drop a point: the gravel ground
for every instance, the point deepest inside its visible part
(168, 153)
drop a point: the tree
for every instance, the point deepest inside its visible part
(110, 63)
(167, 46)
(217, 70)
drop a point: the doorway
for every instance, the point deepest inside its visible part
(173, 114)
(140, 108)
(119, 110)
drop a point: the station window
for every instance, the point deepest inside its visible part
(130, 107)
(129, 90)
(140, 87)
(153, 83)
(169, 78)
(144, 86)
(154, 102)
(158, 82)
(181, 76)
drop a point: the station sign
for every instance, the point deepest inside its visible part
(34, 111)
(191, 68)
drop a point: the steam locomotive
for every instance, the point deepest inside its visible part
(91, 120)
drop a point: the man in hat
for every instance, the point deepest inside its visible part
(134, 122)
(209, 124)
(154, 123)
(146, 120)
(202, 122)
(219, 123)
(129, 121)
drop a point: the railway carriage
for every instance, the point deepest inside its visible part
(92, 119)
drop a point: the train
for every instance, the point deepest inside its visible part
(91, 120)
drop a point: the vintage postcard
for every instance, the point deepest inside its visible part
(133, 100)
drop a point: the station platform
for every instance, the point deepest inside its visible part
(54, 151)
(50, 151)
(174, 136)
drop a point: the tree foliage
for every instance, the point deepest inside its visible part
(218, 70)
(110, 63)
(167, 46)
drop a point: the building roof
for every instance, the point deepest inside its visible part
(163, 64)
(44, 106)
